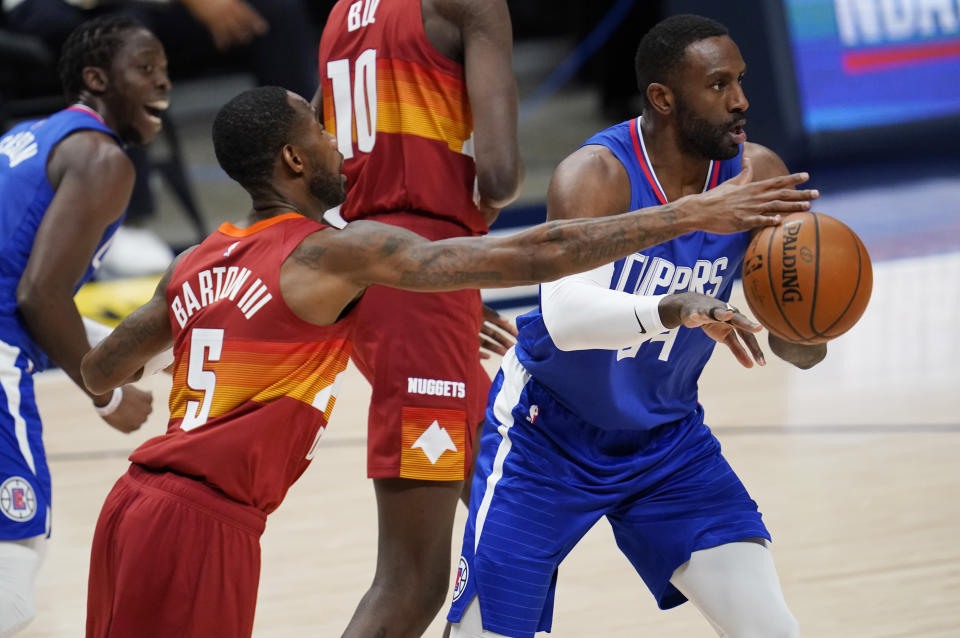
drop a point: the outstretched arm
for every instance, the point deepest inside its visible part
(367, 253)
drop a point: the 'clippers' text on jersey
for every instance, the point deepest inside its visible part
(645, 386)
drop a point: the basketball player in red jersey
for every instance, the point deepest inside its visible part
(421, 97)
(260, 316)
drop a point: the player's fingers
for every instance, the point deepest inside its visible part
(797, 194)
(255, 22)
(739, 352)
(742, 322)
(496, 336)
(503, 324)
(784, 181)
(756, 221)
(721, 313)
(491, 345)
(787, 207)
(754, 346)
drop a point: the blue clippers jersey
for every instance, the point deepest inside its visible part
(644, 386)
(25, 194)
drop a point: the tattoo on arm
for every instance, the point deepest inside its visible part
(456, 277)
(138, 328)
(309, 256)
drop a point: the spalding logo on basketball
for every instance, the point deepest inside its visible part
(807, 280)
(17, 499)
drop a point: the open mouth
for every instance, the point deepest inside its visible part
(737, 132)
(155, 109)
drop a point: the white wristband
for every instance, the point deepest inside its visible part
(647, 311)
(115, 399)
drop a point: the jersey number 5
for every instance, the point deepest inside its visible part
(205, 345)
(361, 102)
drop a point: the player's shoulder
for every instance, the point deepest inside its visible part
(94, 154)
(593, 163)
(590, 182)
(469, 15)
(765, 162)
(460, 8)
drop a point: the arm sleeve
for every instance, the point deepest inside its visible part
(581, 312)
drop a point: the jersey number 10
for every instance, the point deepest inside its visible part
(356, 102)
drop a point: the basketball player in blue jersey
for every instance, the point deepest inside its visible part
(64, 185)
(594, 412)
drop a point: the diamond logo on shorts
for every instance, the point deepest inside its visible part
(434, 441)
(461, 583)
(17, 499)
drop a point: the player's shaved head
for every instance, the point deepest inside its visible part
(250, 130)
(662, 49)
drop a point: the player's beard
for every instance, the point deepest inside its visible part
(700, 137)
(328, 187)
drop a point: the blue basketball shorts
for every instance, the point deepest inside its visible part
(24, 475)
(543, 478)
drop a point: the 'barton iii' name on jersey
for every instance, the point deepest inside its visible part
(219, 283)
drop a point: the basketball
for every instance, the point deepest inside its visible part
(807, 280)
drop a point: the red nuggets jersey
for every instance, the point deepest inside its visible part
(400, 112)
(253, 384)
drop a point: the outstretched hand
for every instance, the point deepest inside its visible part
(719, 320)
(740, 204)
(497, 334)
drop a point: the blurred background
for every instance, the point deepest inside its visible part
(853, 463)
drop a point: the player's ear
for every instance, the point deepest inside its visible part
(291, 157)
(660, 98)
(95, 79)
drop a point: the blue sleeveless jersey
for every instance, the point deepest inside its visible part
(645, 386)
(25, 194)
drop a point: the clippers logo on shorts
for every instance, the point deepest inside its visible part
(432, 443)
(461, 583)
(17, 499)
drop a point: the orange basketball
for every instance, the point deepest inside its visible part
(807, 280)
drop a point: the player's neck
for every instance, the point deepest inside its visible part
(96, 107)
(270, 204)
(679, 173)
(270, 200)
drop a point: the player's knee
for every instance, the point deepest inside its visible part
(418, 594)
(435, 591)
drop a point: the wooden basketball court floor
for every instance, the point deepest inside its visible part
(854, 465)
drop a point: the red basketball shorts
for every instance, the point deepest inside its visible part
(172, 557)
(420, 352)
